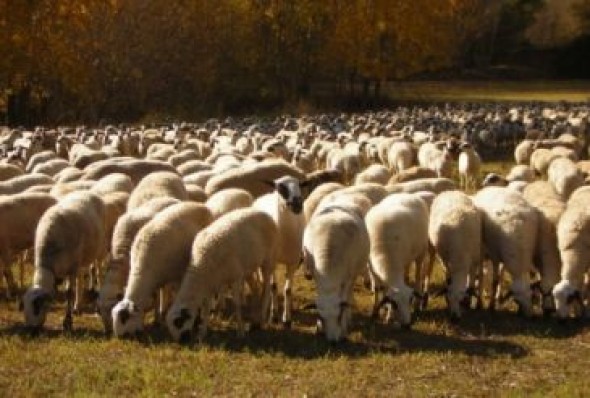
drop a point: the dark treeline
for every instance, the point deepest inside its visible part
(88, 60)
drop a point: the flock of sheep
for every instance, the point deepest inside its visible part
(176, 219)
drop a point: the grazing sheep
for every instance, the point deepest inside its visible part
(542, 196)
(413, 173)
(455, 231)
(573, 237)
(285, 206)
(398, 231)
(335, 251)
(20, 213)
(136, 169)
(117, 267)
(375, 173)
(116, 182)
(69, 237)
(23, 182)
(8, 171)
(227, 200)
(253, 177)
(39, 158)
(523, 151)
(231, 251)
(158, 184)
(436, 185)
(468, 164)
(564, 176)
(159, 256)
(510, 226)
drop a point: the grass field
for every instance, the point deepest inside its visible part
(487, 354)
(426, 91)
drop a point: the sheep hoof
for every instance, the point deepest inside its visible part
(67, 323)
(287, 324)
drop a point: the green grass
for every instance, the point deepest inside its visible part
(551, 91)
(487, 354)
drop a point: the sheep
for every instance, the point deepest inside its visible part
(195, 193)
(62, 189)
(20, 213)
(39, 158)
(413, 173)
(200, 178)
(510, 226)
(155, 185)
(81, 156)
(136, 169)
(253, 178)
(496, 180)
(455, 231)
(314, 199)
(400, 156)
(117, 267)
(375, 173)
(398, 232)
(523, 152)
(320, 177)
(8, 171)
(183, 157)
(541, 159)
(468, 164)
(374, 192)
(285, 206)
(227, 200)
(436, 185)
(521, 172)
(51, 167)
(227, 253)
(116, 182)
(21, 183)
(159, 256)
(345, 162)
(68, 174)
(564, 152)
(437, 157)
(573, 237)
(564, 176)
(193, 166)
(542, 196)
(70, 236)
(335, 250)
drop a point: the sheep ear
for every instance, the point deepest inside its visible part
(304, 183)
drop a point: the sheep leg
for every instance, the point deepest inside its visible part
(72, 287)
(419, 282)
(237, 293)
(205, 312)
(288, 295)
(496, 286)
(76, 286)
(273, 299)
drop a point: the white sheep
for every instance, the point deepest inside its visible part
(23, 182)
(20, 214)
(564, 176)
(400, 156)
(335, 251)
(316, 196)
(227, 200)
(398, 231)
(159, 256)
(541, 159)
(375, 173)
(229, 252)
(51, 167)
(285, 206)
(523, 152)
(116, 182)
(70, 236)
(8, 171)
(117, 266)
(136, 169)
(158, 184)
(455, 231)
(436, 185)
(510, 226)
(573, 237)
(521, 172)
(543, 197)
(469, 163)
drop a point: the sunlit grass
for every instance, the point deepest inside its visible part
(574, 91)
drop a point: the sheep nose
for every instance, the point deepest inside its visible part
(296, 205)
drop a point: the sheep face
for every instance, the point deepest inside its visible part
(180, 322)
(523, 296)
(564, 294)
(334, 318)
(127, 319)
(403, 298)
(456, 299)
(106, 302)
(36, 305)
(494, 180)
(289, 188)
